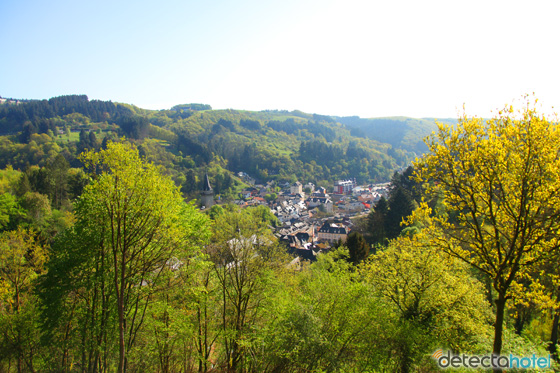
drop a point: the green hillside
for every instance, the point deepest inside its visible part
(400, 132)
(191, 139)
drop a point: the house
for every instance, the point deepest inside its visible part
(259, 200)
(366, 197)
(290, 209)
(246, 178)
(309, 186)
(332, 232)
(360, 190)
(240, 203)
(263, 191)
(351, 206)
(344, 186)
(249, 192)
(296, 188)
(321, 190)
(318, 201)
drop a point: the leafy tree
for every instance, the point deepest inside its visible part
(38, 208)
(23, 186)
(136, 211)
(77, 181)
(57, 171)
(244, 253)
(10, 211)
(38, 179)
(196, 107)
(22, 260)
(431, 288)
(262, 214)
(327, 318)
(436, 300)
(253, 125)
(215, 211)
(78, 301)
(500, 183)
(180, 328)
(270, 197)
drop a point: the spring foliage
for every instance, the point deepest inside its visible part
(500, 184)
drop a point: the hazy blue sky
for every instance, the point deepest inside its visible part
(351, 57)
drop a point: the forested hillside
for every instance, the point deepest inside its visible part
(191, 138)
(399, 132)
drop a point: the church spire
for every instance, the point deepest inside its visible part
(207, 194)
(206, 187)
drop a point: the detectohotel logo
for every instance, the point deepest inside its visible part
(447, 359)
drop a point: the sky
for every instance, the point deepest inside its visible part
(353, 57)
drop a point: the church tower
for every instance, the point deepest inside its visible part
(207, 195)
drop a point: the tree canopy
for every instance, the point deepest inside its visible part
(500, 184)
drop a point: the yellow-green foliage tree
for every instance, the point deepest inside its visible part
(110, 299)
(136, 211)
(22, 260)
(500, 184)
(246, 257)
(431, 289)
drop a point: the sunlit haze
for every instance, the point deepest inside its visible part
(352, 57)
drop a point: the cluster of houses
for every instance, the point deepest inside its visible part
(9, 101)
(312, 220)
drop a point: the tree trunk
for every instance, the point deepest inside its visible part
(120, 304)
(499, 326)
(199, 337)
(554, 337)
(121, 336)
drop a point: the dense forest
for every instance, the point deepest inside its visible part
(192, 138)
(105, 267)
(399, 132)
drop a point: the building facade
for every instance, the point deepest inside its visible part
(344, 186)
(332, 232)
(296, 188)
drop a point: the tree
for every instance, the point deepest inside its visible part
(433, 295)
(23, 186)
(408, 183)
(376, 222)
(400, 206)
(57, 176)
(327, 320)
(22, 260)
(135, 127)
(500, 184)
(83, 143)
(244, 253)
(270, 197)
(77, 180)
(38, 208)
(28, 130)
(135, 211)
(10, 211)
(357, 247)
